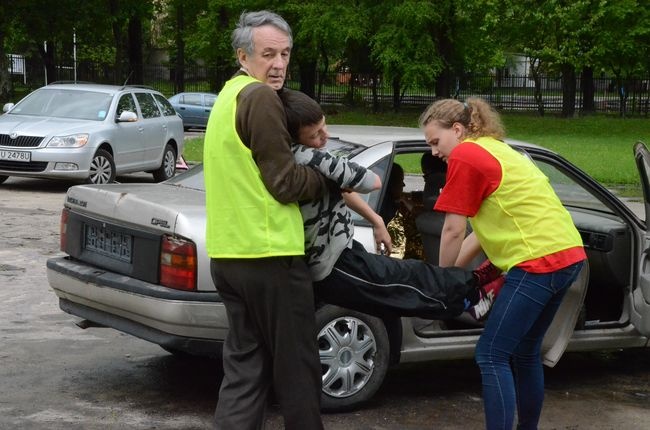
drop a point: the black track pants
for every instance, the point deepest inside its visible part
(380, 285)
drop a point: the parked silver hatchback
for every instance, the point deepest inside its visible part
(90, 132)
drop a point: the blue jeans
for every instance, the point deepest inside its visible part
(509, 350)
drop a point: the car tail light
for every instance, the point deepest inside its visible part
(178, 264)
(63, 229)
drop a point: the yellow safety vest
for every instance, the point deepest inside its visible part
(523, 218)
(243, 220)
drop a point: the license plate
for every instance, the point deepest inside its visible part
(108, 242)
(23, 156)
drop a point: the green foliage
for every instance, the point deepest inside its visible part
(601, 146)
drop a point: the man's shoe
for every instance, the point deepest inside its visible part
(486, 273)
(488, 294)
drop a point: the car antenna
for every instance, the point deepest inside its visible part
(127, 79)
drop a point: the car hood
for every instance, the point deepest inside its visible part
(41, 126)
(162, 207)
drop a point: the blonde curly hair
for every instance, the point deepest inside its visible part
(476, 115)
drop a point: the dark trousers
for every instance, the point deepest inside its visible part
(380, 285)
(271, 343)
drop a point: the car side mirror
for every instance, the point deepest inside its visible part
(7, 107)
(127, 116)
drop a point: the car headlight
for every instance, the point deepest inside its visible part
(71, 141)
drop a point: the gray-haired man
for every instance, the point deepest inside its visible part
(254, 237)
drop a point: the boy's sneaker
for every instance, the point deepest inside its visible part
(486, 273)
(488, 294)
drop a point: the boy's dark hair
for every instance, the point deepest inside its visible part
(301, 111)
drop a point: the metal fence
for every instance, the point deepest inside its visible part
(512, 93)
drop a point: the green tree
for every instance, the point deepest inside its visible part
(433, 43)
(323, 36)
(622, 43)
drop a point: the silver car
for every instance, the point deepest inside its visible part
(91, 133)
(135, 261)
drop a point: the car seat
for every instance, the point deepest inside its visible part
(430, 222)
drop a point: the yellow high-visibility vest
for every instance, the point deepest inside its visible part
(523, 218)
(243, 220)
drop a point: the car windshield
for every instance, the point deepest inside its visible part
(61, 103)
(193, 178)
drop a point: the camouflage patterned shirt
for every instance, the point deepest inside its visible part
(328, 221)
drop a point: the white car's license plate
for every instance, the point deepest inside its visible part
(24, 156)
(108, 242)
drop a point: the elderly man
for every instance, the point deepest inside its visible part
(254, 237)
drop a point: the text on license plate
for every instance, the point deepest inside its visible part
(108, 242)
(15, 155)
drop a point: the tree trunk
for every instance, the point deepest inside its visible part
(588, 91)
(323, 73)
(444, 84)
(397, 99)
(5, 77)
(568, 91)
(117, 38)
(48, 61)
(135, 50)
(179, 68)
(622, 96)
(375, 94)
(308, 77)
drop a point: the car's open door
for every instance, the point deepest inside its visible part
(559, 333)
(640, 292)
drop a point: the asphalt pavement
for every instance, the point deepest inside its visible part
(56, 376)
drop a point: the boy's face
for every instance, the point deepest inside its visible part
(314, 136)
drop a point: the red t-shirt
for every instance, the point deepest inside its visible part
(472, 175)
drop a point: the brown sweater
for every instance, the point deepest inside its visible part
(262, 126)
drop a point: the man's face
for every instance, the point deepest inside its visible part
(314, 136)
(270, 58)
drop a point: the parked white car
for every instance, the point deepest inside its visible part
(135, 261)
(90, 132)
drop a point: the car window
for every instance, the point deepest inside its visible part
(165, 106)
(126, 103)
(380, 168)
(148, 105)
(209, 100)
(571, 193)
(192, 99)
(75, 104)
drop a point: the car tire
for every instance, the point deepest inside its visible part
(3, 178)
(354, 355)
(167, 168)
(102, 168)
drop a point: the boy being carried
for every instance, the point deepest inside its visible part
(344, 273)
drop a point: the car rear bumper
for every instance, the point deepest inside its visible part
(193, 322)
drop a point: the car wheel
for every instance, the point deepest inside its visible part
(3, 178)
(167, 168)
(102, 168)
(354, 355)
